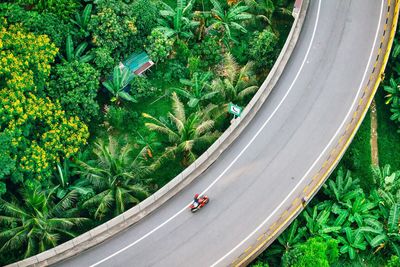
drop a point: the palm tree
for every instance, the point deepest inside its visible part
(196, 89)
(184, 133)
(236, 83)
(117, 177)
(178, 22)
(228, 21)
(121, 78)
(267, 9)
(149, 142)
(37, 222)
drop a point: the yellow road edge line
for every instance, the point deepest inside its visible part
(374, 89)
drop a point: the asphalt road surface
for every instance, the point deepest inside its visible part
(254, 180)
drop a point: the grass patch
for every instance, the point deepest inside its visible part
(357, 158)
(388, 137)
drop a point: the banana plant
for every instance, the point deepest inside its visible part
(385, 179)
(196, 89)
(344, 188)
(395, 110)
(318, 223)
(393, 92)
(82, 20)
(292, 236)
(360, 209)
(353, 241)
(178, 23)
(78, 53)
(229, 20)
(120, 79)
(387, 235)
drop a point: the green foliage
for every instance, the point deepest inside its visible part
(103, 59)
(41, 132)
(184, 134)
(387, 134)
(7, 162)
(40, 23)
(143, 88)
(263, 48)
(82, 20)
(117, 118)
(235, 83)
(64, 181)
(314, 252)
(61, 8)
(260, 264)
(121, 78)
(75, 84)
(113, 31)
(353, 241)
(195, 89)
(178, 23)
(37, 223)
(159, 46)
(208, 51)
(227, 20)
(116, 175)
(78, 53)
(391, 85)
(289, 239)
(343, 188)
(146, 13)
(394, 261)
(172, 70)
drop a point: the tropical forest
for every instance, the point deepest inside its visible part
(103, 102)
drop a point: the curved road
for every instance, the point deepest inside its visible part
(274, 159)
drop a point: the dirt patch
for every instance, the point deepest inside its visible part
(374, 135)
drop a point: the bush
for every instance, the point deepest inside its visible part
(142, 88)
(314, 252)
(61, 8)
(209, 51)
(76, 84)
(45, 23)
(41, 132)
(146, 13)
(113, 27)
(158, 46)
(263, 49)
(119, 118)
(394, 261)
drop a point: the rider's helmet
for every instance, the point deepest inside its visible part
(196, 196)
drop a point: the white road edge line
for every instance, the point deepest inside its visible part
(315, 162)
(231, 164)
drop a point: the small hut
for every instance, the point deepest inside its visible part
(137, 63)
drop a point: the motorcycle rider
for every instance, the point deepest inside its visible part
(196, 200)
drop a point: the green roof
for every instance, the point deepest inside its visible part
(136, 60)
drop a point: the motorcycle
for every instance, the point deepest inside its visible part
(203, 200)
